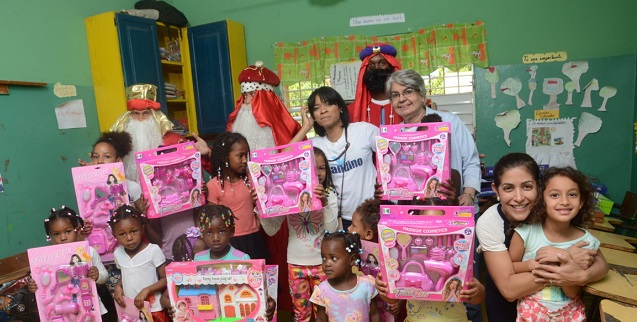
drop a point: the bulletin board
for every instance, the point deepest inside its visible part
(606, 154)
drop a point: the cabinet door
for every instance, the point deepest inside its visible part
(212, 79)
(140, 53)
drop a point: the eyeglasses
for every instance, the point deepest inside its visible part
(406, 93)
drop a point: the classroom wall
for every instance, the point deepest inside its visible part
(45, 41)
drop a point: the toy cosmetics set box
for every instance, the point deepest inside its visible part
(413, 164)
(99, 190)
(284, 181)
(65, 292)
(218, 290)
(171, 178)
(131, 313)
(426, 252)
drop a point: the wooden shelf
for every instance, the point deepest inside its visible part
(4, 85)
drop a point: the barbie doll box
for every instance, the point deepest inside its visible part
(218, 290)
(284, 181)
(171, 178)
(413, 159)
(426, 252)
(65, 292)
(100, 189)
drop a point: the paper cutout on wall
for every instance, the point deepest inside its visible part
(551, 141)
(507, 121)
(574, 70)
(606, 92)
(552, 87)
(588, 123)
(593, 85)
(569, 87)
(64, 90)
(532, 82)
(71, 115)
(492, 76)
(512, 87)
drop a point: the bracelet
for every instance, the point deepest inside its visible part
(473, 197)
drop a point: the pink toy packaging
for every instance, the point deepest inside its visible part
(218, 290)
(284, 181)
(413, 164)
(131, 313)
(100, 189)
(171, 178)
(426, 251)
(65, 292)
(272, 284)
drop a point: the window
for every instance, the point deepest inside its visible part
(204, 300)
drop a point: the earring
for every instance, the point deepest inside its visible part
(498, 198)
(341, 111)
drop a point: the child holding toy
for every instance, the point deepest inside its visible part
(63, 226)
(306, 230)
(230, 187)
(562, 211)
(142, 263)
(344, 296)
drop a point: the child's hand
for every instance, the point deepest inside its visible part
(583, 257)
(378, 191)
(84, 163)
(88, 228)
(548, 255)
(204, 190)
(380, 285)
(93, 273)
(447, 190)
(171, 312)
(319, 192)
(201, 145)
(118, 296)
(270, 308)
(394, 308)
(141, 297)
(474, 294)
(31, 286)
(255, 197)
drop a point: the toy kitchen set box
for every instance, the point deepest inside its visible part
(426, 252)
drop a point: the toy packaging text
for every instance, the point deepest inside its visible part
(171, 178)
(65, 292)
(413, 164)
(426, 251)
(284, 181)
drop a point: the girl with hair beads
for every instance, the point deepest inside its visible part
(230, 187)
(563, 210)
(142, 263)
(344, 296)
(216, 224)
(306, 230)
(63, 226)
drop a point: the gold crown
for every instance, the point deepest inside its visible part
(141, 91)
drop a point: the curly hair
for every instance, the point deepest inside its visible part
(127, 212)
(120, 141)
(370, 213)
(351, 243)
(221, 150)
(584, 217)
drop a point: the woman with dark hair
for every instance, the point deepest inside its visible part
(349, 148)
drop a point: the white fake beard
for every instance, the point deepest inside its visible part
(146, 135)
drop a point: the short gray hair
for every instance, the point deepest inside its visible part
(408, 78)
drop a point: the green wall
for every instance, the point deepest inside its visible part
(45, 41)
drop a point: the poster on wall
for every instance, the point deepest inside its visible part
(551, 141)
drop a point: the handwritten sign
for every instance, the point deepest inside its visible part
(344, 77)
(547, 114)
(70, 115)
(544, 58)
(376, 20)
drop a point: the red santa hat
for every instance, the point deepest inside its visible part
(256, 77)
(141, 97)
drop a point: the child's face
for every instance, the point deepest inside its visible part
(359, 227)
(372, 261)
(321, 167)
(62, 231)
(238, 157)
(453, 285)
(128, 233)
(517, 192)
(562, 198)
(104, 153)
(337, 262)
(217, 237)
(181, 306)
(431, 212)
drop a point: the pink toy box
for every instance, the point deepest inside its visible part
(284, 181)
(422, 255)
(171, 178)
(413, 164)
(100, 189)
(131, 313)
(272, 284)
(218, 290)
(65, 292)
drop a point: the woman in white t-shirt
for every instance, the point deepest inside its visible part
(349, 148)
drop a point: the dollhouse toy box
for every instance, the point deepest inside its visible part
(65, 292)
(100, 189)
(171, 178)
(284, 181)
(413, 163)
(219, 290)
(426, 252)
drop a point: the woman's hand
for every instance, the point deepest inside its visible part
(567, 273)
(307, 121)
(583, 257)
(548, 254)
